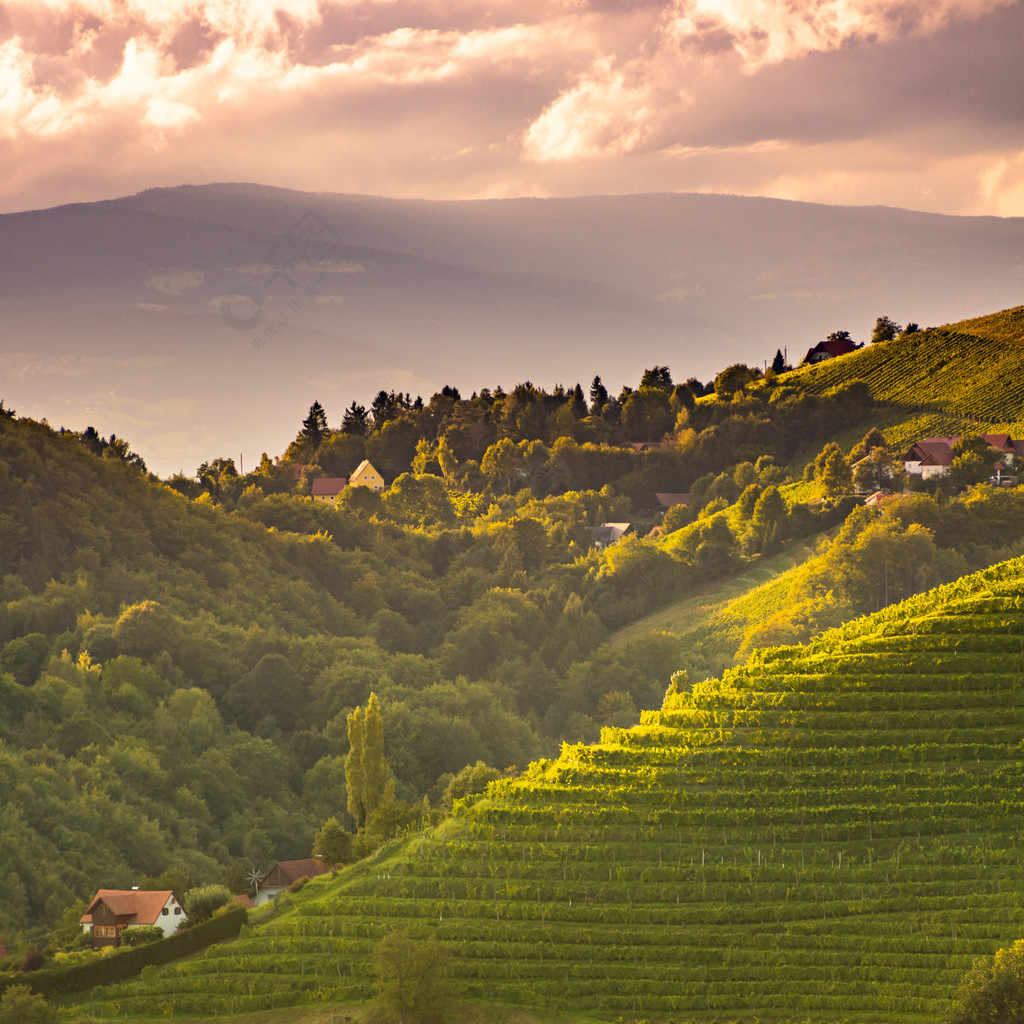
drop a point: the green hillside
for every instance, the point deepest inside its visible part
(830, 833)
(953, 379)
(178, 663)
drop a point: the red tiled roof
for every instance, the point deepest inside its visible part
(830, 349)
(933, 451)
(937, 451)
(296, 869)
(328, 486)
(141, 905)
(836, 348)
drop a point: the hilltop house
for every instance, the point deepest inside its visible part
(284, 874)
(932, 456)
(829, 350)
(365, 475)
(327, 488)
(113, 910)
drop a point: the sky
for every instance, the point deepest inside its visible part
(909, 103)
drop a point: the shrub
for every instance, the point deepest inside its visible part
(203, 900)
(141, 934)
(20, 1006)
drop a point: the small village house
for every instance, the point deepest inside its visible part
(609, 533)
(284, 874)
(365, 475)
(113, 910)
(667, 500)
(829, 350)
(932, 456)
(326, 489)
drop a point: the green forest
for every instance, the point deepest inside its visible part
(182, 661)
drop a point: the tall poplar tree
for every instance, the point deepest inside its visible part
(375, 765)
(354, 767)
(366, 767)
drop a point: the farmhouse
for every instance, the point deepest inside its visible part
(113, 910)
(609, 533)
(326, 489)
(667, 500)
(829, 350)
(365, 475)
(932, 456)
(286, 873)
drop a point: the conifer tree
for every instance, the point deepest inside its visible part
(314, 427)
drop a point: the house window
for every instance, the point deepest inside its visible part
(177, 911)
(164, 911)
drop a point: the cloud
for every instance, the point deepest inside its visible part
(603, 114)
(452, 98)
(1001, 186)
(722, 49)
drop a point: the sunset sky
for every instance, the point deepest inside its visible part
(911, 103)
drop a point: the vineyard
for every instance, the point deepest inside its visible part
(960, 378)
(831, 832)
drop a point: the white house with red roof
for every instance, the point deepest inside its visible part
(113, 910)
(932, 456)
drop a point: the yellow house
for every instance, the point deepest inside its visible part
(366, 476)
(327, 488)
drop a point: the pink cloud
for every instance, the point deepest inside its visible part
(454, 98)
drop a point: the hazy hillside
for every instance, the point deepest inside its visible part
(831, 832)
(115, 313)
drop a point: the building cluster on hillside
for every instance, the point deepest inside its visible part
(328, 489)
(111, 911)
(932, 457)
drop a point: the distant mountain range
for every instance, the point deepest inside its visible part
(202, 321)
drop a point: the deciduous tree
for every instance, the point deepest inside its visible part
(884, 330)
(410, 979)
(333, 844)
(992, 991)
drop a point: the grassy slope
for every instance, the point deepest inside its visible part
(711, 620)
(830, 833)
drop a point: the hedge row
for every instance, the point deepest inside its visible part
(129, 962)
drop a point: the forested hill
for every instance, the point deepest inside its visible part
(178, 663)
(176, 679)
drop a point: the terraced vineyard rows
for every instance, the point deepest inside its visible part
(830, 833)
(971, 373)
